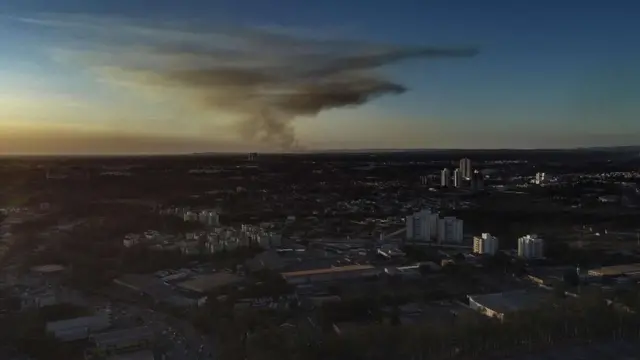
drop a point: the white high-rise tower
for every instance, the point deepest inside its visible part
(465, 168)
(445, 178)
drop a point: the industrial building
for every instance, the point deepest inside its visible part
(122, 341)
(159, 291)
(330, 274)
(485, 244)
(138, 355)
(78, 328)
(47, 269)
(500, 305)
(205, 283)
(531, 247)
(628, 270)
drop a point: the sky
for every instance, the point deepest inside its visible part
(166, 76)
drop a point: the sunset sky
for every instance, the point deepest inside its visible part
(98, 76)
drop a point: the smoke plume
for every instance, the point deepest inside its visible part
(266, 79)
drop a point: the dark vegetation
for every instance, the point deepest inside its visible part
(570, 322)
(25, 332)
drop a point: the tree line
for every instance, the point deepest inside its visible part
(556, 324)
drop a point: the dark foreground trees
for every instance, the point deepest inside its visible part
(557, 324)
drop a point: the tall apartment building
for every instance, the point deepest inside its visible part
(465, 168)
(450, 230)
(531, 247)
(457, 178)
(477, 180)
(422, 226)
(445, 178)
(485, 244)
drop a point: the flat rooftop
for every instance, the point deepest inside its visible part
(512, 301)
(204, 283)
(148, 284)
(51, 268)
(138, 355)
(617, 270)
(331, 270)
(119, 336)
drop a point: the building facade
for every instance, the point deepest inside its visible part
(485, 244)
(465, 168)
(419, 226)
(450, 230)
(531, 247)
(457, 178)
(445, 178)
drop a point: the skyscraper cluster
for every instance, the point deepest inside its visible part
(463, 175)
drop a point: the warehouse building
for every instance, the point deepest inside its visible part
(127, 341)
(500, 305)
(331, 274)
(78, 328)
(628, 270)
(205, 283)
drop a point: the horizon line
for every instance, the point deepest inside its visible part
(312, 152)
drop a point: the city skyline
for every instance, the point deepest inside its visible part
(84, 77)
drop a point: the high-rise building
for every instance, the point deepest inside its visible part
(450, 230)
(445, 178)
(540, 178)
(477, 180)
(465, 168)
(421, 226)
(531, 247)
(485, 244)
(457, 178)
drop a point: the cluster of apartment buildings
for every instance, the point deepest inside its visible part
(215, 240)
(529, 246)
(428, 226)
(206, 216)
(463, 176)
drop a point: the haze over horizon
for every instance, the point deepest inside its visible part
(161, 76)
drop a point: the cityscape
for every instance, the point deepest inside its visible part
(328, 180)
(286, 256)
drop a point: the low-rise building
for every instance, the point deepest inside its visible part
(204, 283)
(78, 328)
(119, 342)
(332, 273)
(500, 305)
(628, 270)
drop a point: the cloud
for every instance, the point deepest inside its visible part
(266, 79)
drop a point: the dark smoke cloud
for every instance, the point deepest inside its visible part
(271, 79)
